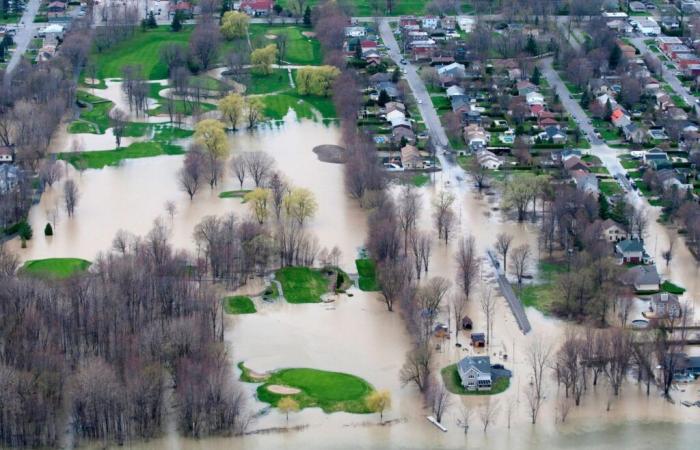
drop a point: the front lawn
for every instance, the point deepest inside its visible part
(239, 304)
(367, 270)
(55, 268)
(100, 159)
(302, 284)
(453, 383)
(330, 391)
(277, 81)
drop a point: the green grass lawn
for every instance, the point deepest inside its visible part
(94, 116)
(55, 268)
(100, 159)
(278, 105)
(367, 270)
(609, 187)
(239, 304)
(453, 383)
(403, 7)
(234, 194)
(302, 284)
(300, 49)
(143, 49)
(420, 179)
(181, 107)
(541, 295)
(330, 391)
(277, 81)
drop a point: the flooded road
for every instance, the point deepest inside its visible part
(356, 334)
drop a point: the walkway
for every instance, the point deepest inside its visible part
(516, 306)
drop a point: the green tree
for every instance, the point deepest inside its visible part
(531, 45)
(48, 230)
(615, 57)
(307, 16)
(316, 80)
(603, 207)
(300, 204)
(396, 75)
(231, 108)
(176, 24)
(234, 24)
(151, 22)
(383, 98)
(258, 200)
(262, 59)
(25, 233)
(211, 134)
(536, 76)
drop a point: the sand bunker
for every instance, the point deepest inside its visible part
(282, 390)
(270, 36)
(330, 153)
(308, 34)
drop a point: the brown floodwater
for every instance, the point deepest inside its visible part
(356, 334)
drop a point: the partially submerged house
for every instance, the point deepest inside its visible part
(411, 158)
(642, 278)
(475, 373)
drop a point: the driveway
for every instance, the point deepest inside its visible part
(25, 32)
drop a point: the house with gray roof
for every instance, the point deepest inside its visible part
(475, 373)
(630, 251)
(642, 278)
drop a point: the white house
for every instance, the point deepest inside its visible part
(534, 98)
(395, 115)
(430, 22)
(475, 373)
(646, 26)
(613, 231)
(488, 160)
(466, 23)
(355, 31)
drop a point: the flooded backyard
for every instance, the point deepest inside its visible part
(356, 334)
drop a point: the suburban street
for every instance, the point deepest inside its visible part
(24, 35)
(425, 104)
(668, 75)
(599, 148)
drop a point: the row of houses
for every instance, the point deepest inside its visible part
(685, 57)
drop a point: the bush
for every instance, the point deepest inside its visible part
(25, 231)
(48, 230)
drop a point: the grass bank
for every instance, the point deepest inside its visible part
(330, 391)
(55, 268)
(453, 383)
(100, 159)
(300, 49)
(239, 304)
(302, 284)
(542, 295)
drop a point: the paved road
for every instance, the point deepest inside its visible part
(668, 75)
(516, 306)
(607, 154)
(425, 104)
(24, 35)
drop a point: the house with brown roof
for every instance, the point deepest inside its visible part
(411, 158)
(575, 163)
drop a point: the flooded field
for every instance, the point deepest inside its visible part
(356, 334)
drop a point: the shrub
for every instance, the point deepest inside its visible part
(48, 230)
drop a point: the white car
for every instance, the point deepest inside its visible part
(420, 102)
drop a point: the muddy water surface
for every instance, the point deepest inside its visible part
(356, 334)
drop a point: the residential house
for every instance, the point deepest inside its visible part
(455, 70)
(395, 116)
(256, 8)
(467, 323)
(403, 134)
(674, 51)
(525, 87)
(585, 181)
(355, 32)
(637, 7)
(634, 133)
(655, 154)
(475, 373)
(684, 365)
(442, 60)
(613, 231)
(670, 23)
(472, 117)
(56, 9)
(646, 26)
(665, 306)
(488, 160)
(684, 60)
(409, 23)
(663, 100)
(453, 91)
(619, 118)
(185, 9)
(395, 106)
(476, 137)
(389, 87)
(423, 52)
(448, 23)
(6, 155)
(642, 278)
(630, 251)
(664, 42)
(574, 162)
(411, 158)
(534, 98)
(466, 23)
(553, 134)
(430, 22)
(380, 77)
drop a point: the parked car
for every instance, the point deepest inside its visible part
(403, 61)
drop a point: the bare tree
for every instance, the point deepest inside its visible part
(190, 175)
(521, 256)
(118, 120)
(50, 171)
(503, 242)
(258, 165)
(408, 204)
(465, 417)
(563, 408)
(488, 412)
(467, 265)
(440, 400)
(171, 209)
(443, 214)
(488, 307)
(70, 196)
(205, 42)
(239, 166)
(459, 305)
(538, 355)
(417, 367)
(668, 254)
